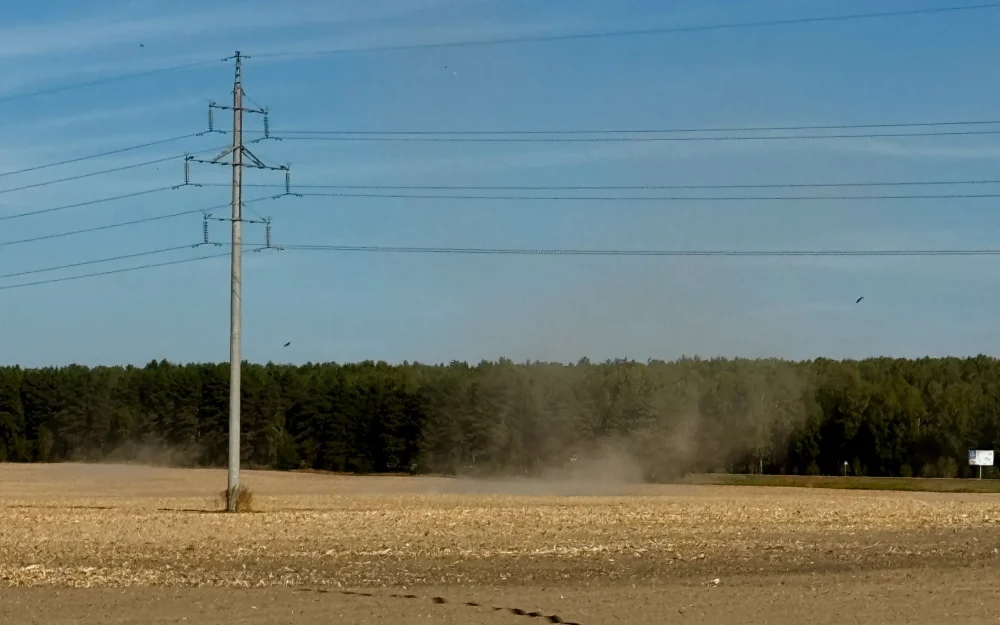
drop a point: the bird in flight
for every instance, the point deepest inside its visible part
(858, 301)
(288, 343)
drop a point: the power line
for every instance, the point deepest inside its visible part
(91, 174)
(127, 196)
(101, 260)
(592, 131)
(70, 233)
(123, 257)
(120, 224)
(88, 203)
(103, 154)
(133, 222)
(101, 172)
(643, 139)
(112, 271)
(620, 252)
(510, 252)
(102, 81)
(608, 34)
(657, 198)
(638, 187)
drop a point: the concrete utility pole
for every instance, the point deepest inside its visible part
(236, 289)
(241, 158)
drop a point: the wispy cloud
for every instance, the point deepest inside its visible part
(94, 116)
(911, 150)
(397, 166)
(430, 35)
(177, 34)
(120, 25)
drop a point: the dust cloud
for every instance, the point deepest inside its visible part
(637, 423)
(609, 470)
(153, 454)
(619, 425)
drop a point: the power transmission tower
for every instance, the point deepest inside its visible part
(241, 157)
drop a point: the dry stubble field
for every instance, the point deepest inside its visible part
(88, 543)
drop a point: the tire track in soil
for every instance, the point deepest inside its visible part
(550, 618)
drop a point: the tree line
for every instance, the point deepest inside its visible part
(882, 417)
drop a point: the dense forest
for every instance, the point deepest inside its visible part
(881, 416)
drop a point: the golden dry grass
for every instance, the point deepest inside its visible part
(238, 499)
(84, 525)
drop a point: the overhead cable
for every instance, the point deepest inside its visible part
(611, 187)
(112, 271)
(657, 198)
(103, 171)
(594, 131)
(608, 34)
(100, 260)
(631, 139)
(380, 249)
(78, 159)
(132, 222)
(103, 81)
(390, 249)
(102, 200)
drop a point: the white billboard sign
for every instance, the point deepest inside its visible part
(980, 457)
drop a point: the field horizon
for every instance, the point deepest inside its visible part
(903, 484)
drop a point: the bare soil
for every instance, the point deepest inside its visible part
(122, 544)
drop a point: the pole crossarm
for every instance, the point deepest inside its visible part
(255, 163)
(246, 221)
(244, 109)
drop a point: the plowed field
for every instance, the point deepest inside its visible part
(97, 544)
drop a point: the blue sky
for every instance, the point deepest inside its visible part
(346, 307)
